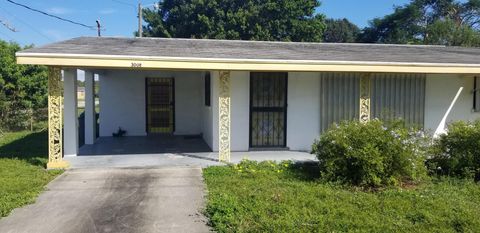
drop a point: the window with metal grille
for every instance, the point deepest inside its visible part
(399, 96)
(207, 89)
(476, 94)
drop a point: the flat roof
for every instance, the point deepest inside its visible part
(140, 50)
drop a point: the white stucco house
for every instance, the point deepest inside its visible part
(246, 95)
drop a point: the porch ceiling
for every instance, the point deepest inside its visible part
(195, 54)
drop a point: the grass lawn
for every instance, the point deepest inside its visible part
(271, 197)
(23, 156)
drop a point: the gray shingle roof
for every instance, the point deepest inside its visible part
(223, 49)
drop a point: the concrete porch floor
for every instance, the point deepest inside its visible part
(151, 144)
(204, 159)
(165, 151)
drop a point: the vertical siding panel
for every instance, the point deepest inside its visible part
(339, 98)
(343, 97)
(375, 93)
(356, 97)
(417, 89)
(422, 99)
(334, 96)
(399, 96)
(321, 102)
(411, 93)
(330, 102)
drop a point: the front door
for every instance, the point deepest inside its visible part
(160, 105)
(268, 109)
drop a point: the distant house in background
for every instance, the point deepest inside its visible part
(81, 93)
(247, 95)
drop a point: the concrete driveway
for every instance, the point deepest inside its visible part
(116, 200)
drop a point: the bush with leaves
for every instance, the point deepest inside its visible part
(372, 154)
(23, 89)
(457, 153)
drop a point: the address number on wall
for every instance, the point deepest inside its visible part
(136, 64)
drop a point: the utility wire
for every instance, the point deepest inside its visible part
(124, 3)
(28, 25)
(50, 15)
(8, 26)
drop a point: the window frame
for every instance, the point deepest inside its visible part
(208, 90)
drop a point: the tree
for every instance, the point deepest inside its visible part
(340, 31)
(270, 20)
(445, 22)
(23, 88)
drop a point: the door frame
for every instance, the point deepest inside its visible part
(285, 114)
(146, 104)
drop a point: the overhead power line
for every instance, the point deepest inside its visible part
(28, 25)
(53, 16)
(8, 26)
(124, 3)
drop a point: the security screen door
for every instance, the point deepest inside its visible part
(160, 105)
(268, 109)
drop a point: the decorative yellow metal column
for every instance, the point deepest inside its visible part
(224, 117)
(365, 98)
(55, 158)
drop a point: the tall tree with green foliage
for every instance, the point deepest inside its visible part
(340, 31)
(270, 20)
(443, 22)
(23, 88)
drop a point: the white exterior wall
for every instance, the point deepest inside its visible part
(90, 114)
(122, 101)
(188, 103)
(240, 107)
(215, 83)
(439, 94)
(70, 118)
(240, 94)
(303, 111)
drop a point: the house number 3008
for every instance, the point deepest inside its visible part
(136, 64)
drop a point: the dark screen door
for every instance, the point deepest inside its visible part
(160, 105)
(268, 109)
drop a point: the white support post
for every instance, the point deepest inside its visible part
(90, 114)
(70, 124)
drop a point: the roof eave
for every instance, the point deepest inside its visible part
(192, 63)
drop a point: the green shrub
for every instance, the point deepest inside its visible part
(372, 154)
(457, 153)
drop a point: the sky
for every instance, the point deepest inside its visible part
(119, 17)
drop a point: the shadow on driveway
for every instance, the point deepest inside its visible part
(116, 200)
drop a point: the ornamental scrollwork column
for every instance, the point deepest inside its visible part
(224, 116)
(55, 149)
(365, 98)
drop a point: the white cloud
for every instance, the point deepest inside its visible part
(58, 10)
(107, 11)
